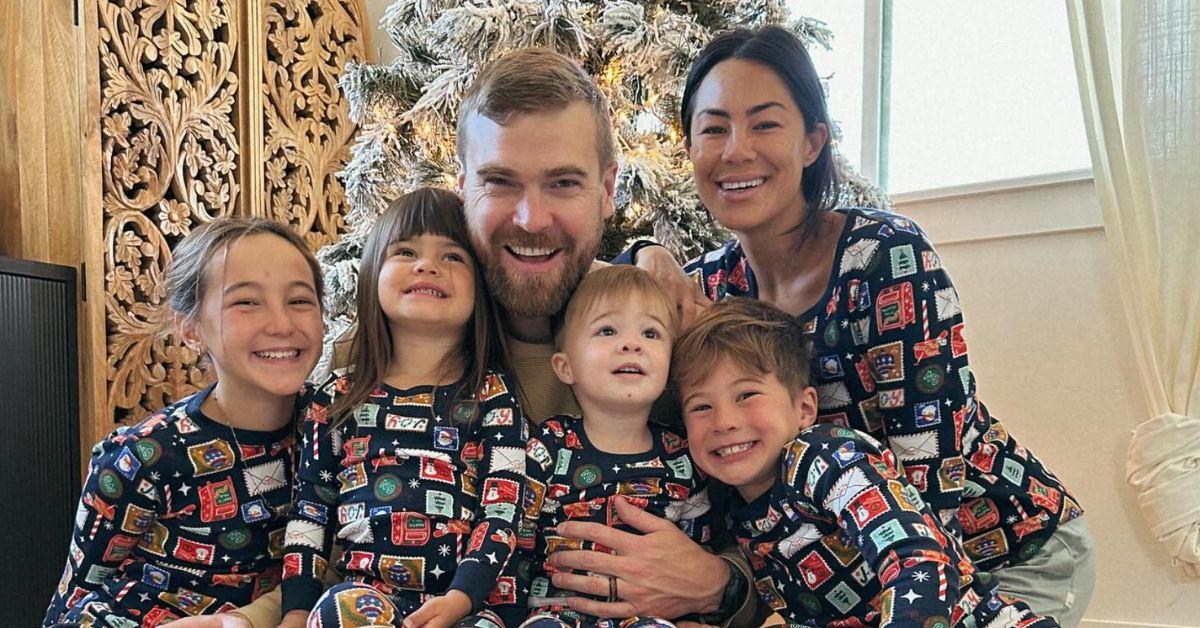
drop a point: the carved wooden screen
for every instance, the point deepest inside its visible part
(209, 108)
(306, 140)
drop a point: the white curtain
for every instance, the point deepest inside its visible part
(1138, 65)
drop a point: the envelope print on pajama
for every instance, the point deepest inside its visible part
(920, 446)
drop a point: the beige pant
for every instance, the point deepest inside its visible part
(1058, 581)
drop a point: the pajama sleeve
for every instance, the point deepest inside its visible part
(854, 483)
(500, 432)
(118, 505)
(698, 527)
(693, 513)
(916, 363)
(312, 525)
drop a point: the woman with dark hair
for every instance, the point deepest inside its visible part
(881, 313)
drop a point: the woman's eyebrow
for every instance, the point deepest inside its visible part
(759, 108)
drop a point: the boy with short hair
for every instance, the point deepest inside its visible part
(614, 350)
(834, 532)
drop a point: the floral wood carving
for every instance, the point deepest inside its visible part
(169, 161)
(170, 98)
(306, 119)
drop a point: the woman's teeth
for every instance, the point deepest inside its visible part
(741, 185)
(733, 449)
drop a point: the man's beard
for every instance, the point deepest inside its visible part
(532, 295)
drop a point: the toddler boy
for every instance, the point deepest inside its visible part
(614, 341)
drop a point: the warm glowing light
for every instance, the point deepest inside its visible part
(612, 75)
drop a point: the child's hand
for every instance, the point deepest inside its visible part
(220, 620)
(440, 612)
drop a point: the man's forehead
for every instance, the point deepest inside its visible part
(539, 143)
(504, 167)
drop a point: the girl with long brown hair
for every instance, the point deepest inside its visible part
(413, 458)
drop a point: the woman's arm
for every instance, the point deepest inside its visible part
(916, 364)
(658, 261)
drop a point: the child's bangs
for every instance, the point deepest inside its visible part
(704, 355)
(613, 288)
(649, 296)
(437, 213)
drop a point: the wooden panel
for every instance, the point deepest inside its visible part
(22, 154)
(188, 136)
(93, 402)
(120, 133)
(40, 160)
(170, 160)
(12, 41)
(62, 85)
(303, 48)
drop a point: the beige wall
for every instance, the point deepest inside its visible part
(1050, 346)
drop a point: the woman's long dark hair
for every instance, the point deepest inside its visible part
(782, 52)
(424, 211)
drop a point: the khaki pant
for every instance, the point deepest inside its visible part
(1058, 581)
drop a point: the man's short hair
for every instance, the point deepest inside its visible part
(755, 335)
(618, 284)
(533, 80)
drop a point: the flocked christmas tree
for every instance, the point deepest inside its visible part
(639, 53)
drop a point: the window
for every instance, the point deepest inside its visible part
(842, 67)
(951, 93)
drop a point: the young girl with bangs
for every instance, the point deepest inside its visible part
(182, 515)
(413, 458)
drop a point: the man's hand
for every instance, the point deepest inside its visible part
(661, 573)
(220, 620)
(689, 298)
(441, 611)
(294, 619)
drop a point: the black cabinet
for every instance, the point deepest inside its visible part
(39, 433)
